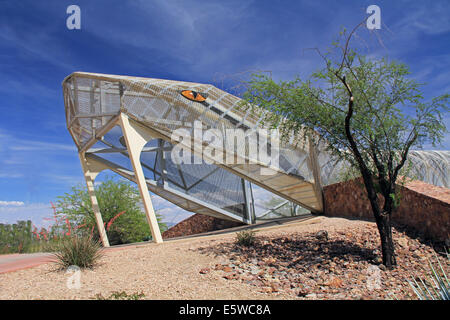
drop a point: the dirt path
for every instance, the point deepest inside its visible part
(14, 262)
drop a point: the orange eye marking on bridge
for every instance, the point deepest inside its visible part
(193, 95)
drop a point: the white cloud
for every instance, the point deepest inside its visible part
(38, 213)
(12, 203)
(30, 145)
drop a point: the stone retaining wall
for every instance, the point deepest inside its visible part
(198, 223)
(423, 207)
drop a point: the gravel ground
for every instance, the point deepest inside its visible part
(287, 262)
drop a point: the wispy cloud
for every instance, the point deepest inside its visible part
(32, 145)
(11, 175)
(11, 203)
(423, 17)
(38, 168)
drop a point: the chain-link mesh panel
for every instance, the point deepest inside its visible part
(90, 105)
(428, 166)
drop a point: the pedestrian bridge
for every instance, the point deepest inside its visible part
(140, 128)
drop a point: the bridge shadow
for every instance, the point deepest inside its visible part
(296, 251)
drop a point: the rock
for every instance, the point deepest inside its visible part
(302, 292)
(267, 289)
(322, 235)
(254, 270)
(403, 243)
(275, 287)
(378, 260)
(335, 283)
(232, 276)
(303, 266)
(204, 270)
(227, 269)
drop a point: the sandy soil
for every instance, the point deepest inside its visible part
(160, 271)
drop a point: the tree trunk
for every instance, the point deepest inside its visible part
(383, 218)
(387, 244)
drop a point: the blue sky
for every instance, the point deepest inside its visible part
(199, 41)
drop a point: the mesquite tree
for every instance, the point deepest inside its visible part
(366, 110)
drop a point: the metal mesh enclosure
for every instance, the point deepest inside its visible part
(159, 105)
(93, 102)
(428, 166)
(213, 186)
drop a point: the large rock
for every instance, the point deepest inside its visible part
(322, 235)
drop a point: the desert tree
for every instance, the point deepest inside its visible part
(366, 110)
(119, 203)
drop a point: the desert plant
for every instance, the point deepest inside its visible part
(77, 251)
(438, 287)
(116, 295)
(245, 237)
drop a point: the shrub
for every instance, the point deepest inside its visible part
(78, 251)
(245, 237)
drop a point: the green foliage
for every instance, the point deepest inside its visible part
(21, 238)
(245, 238)
(77, 251)
(116, 295)
(114, 197)
(365, 111)
(16, 237)
(435, 287)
